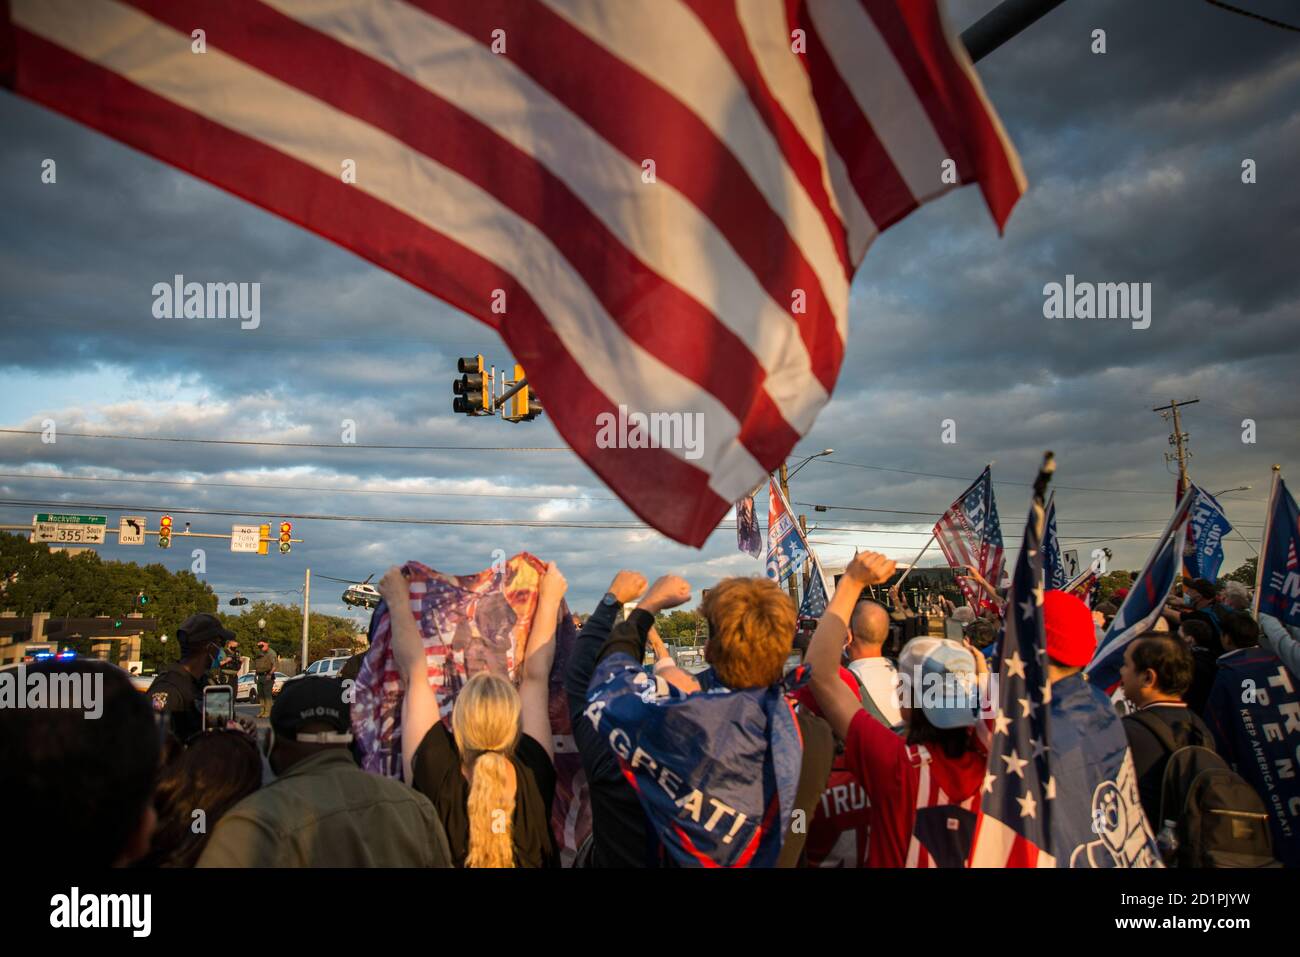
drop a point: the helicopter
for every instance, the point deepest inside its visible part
(361, 594)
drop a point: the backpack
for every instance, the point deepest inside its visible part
(1209, 815)
(869, 705)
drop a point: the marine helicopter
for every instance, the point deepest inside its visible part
(361, 594)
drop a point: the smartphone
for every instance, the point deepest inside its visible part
(218, 707)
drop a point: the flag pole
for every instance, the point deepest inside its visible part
(1263, 540)
(899, 583)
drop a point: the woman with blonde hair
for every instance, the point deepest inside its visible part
(492, 778)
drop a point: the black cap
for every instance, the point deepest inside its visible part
(313, 698)
(200, 629)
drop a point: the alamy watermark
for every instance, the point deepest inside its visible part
(212, 300)
(81, 691)
(651, 430)
(1102, 300)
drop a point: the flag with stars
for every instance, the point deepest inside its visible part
(1145, 601)
(1014, 825)
(970, 534)
(814, 599)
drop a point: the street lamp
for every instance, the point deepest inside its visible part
(163, 639)
(1239, 488)
(790, 474)
(261, 624)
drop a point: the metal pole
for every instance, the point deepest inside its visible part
(306, 616)
(1263, 540)
(899, 583)
(1003, 22)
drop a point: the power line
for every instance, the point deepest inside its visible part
(307, 488)
(296, 445)
(1253, 15)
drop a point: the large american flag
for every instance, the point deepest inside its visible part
(969, 533)
(665, 201)
(1014, 825)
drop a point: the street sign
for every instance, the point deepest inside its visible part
(1071, 561)
(245, 538)
(130, 530)
(69, 529)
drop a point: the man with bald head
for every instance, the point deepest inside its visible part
(864, 647)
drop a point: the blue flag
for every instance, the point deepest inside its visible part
(1207, 528)
(1145, 599)
(1097, 817)
(1254, 714)
(1279, 570)
(1054, 572)
(716, 771)
(814, 599)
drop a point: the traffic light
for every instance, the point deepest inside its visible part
(472, 397)
(286, 532)
(524, 404)
(165, 532)
(142, 599)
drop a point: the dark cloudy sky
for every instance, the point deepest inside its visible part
(1134, 164)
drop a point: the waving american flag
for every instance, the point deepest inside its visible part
(970, 534)
(1014, 825)
(660, 206)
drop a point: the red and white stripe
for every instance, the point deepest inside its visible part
(522, 171)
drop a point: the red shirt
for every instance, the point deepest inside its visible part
(902, 781)
(840, 828)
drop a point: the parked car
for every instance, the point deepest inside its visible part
(248, 686)
(326, 667)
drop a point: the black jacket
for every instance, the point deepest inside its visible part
(1150, 756)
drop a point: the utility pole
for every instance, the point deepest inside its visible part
(785, 490)
(807, 565)
(1178, 440)
(306, 617)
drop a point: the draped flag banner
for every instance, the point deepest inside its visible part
(1254, 713)
(598, 182)
(1278, 579)
(969, 533)
(1014, 826)
(716, 771)
(471, 623)
(748, 537)
(1206, 530)
(1097, 816)
(786, 548)
(1055, 577)
(1145, 600)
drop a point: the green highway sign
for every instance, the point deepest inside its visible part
(43, 518)
(69, 529)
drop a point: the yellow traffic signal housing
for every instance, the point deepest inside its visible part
(263, 534)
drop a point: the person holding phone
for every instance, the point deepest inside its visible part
(176, 693)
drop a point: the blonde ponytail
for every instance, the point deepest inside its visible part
(491, 812)
(486, 724)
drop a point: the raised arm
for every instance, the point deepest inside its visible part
(837, 702)
(419, 703)
(666, 666)
(539, 655)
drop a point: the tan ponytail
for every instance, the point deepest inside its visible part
(486, 723)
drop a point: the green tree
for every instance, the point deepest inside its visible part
(1244, 573)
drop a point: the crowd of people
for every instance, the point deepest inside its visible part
(837, 761)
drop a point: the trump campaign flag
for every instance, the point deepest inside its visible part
(1053, 567)
(716, 771)
(1145, 600)
(969, 533)
(1083, 586)
(748, 538)
(1277, 583)
(1207, 527)
(786, 548)
(1014, 827)
(659, 206)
